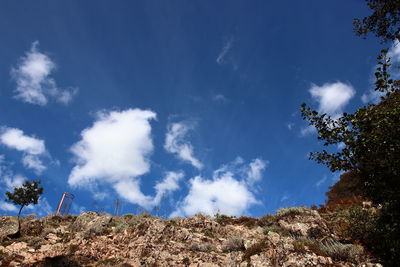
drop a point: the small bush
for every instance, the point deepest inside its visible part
(203, 247)
(173, 221)
(254, 249)
(35, 242)
(303, 245)
(125, 221)
(272, 228)
(315, 233)
(344, 252)
(293, 211)
(233, 244)
(224, 219)
(333, 249)
(267, 220)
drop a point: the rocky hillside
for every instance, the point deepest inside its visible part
(293, 237)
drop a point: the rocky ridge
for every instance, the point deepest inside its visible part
(293, 237)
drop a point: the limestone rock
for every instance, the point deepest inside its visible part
(8, 225)
(91, 223)
(92, 239)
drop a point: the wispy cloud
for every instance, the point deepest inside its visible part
(225, 57)
(176, 143)
(225, 49)
(32, 147)
(34, 82)
(320, 181)
(284, 197)
(220, 98)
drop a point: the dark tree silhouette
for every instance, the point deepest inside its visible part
(28, 193)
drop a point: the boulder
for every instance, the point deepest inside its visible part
(8, 225)
(304, 222)
(91, 223)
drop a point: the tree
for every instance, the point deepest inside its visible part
(29, 193)
(384, 20)
(371, 139)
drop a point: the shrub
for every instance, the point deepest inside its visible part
(233, 244)
(307, 244)
(254, 249)
(333, 249)
(293, 211)
(203, 247)
(223, 219)
(272, 228)
(267, 220)
(343, 252)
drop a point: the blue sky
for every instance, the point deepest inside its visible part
(189, 106)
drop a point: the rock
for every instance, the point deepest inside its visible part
(150, 241)
(32, 227)
(307, 224)
(91, 223)
(8, 225)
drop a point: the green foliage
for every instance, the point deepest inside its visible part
(333, 249)
(29, 193)
(362, 224)
(384, 20)
(371, 138)
(343, 252)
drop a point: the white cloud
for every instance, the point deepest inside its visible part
(256, 167)
(168, 185)
(15, 138)
(129, 189)
(308, 130)
(228, 192)
(394, 52)
(176, 143)
(332, 97)
(34, 82)
(115, 150)
(225, 195)
(116, 147)
(7, 206)
(32, 147)
(33, 162)
(373, 96)
(12, 181)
